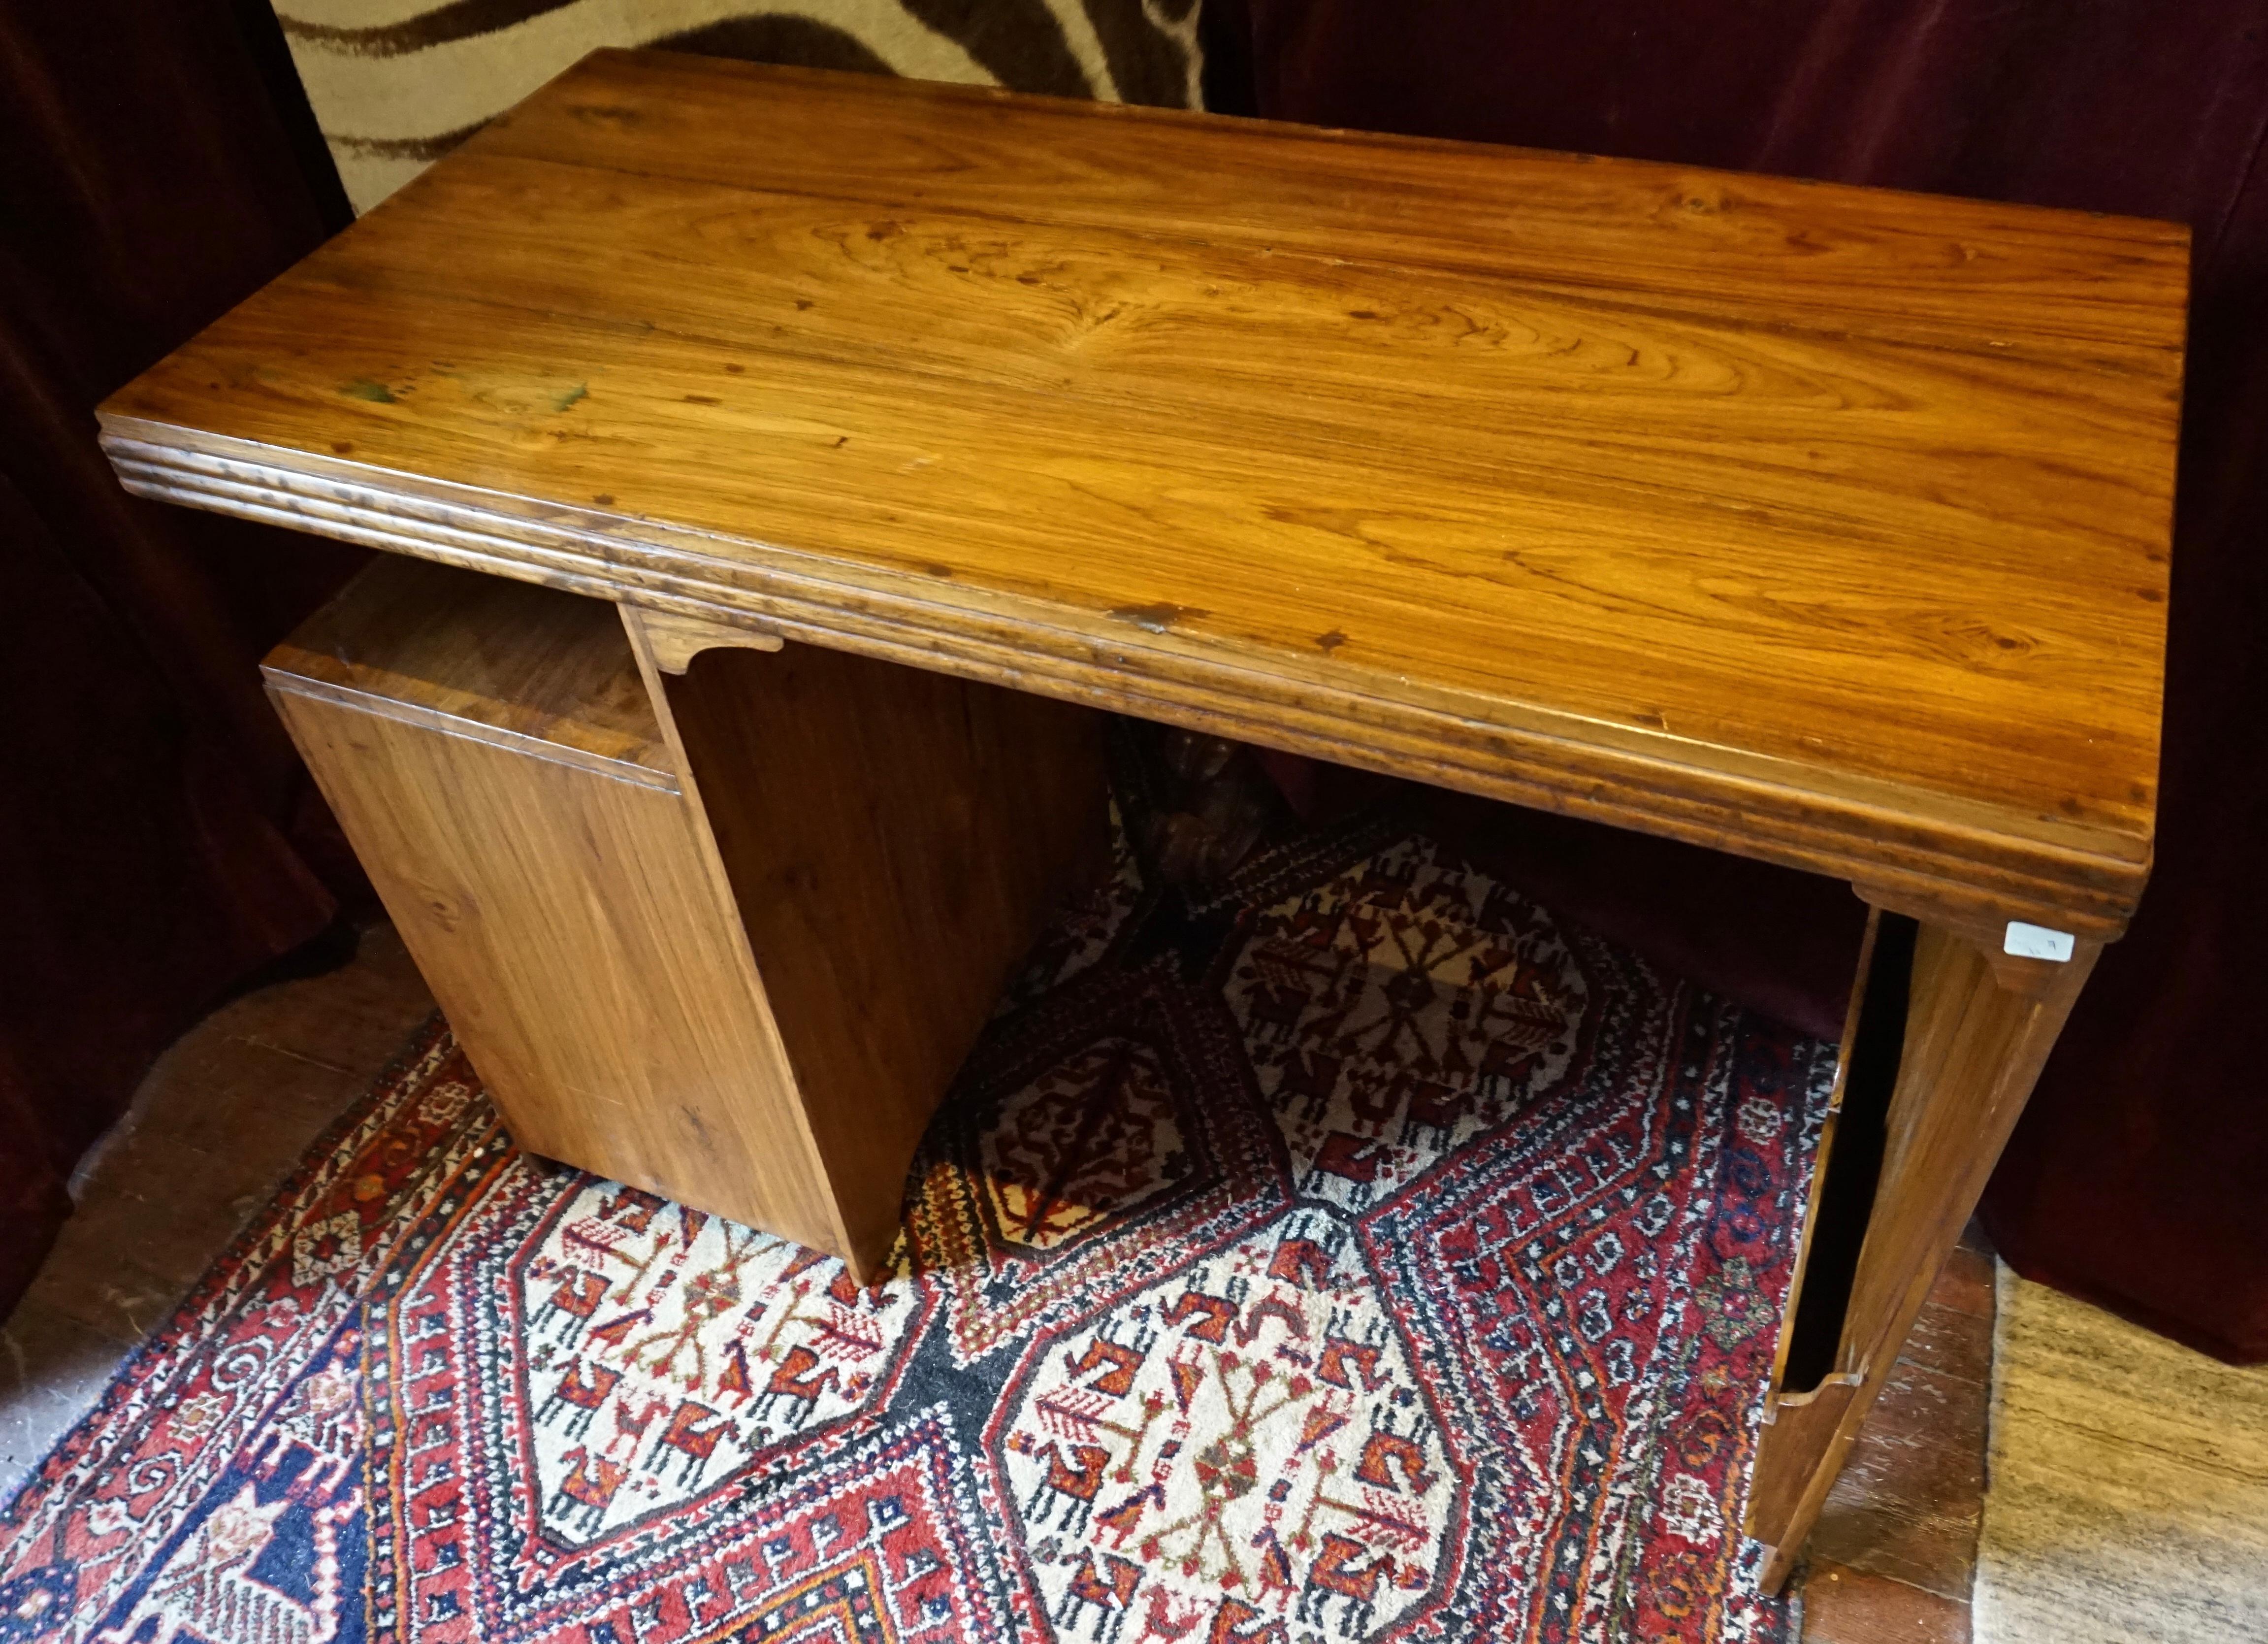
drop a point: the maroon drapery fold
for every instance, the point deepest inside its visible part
(2136, 1178)
(152, 811)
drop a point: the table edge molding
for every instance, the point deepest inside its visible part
(1997, 875)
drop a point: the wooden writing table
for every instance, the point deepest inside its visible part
(1823, 524)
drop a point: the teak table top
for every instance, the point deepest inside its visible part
(1823, 524)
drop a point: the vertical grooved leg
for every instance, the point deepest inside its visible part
(1977, 1029)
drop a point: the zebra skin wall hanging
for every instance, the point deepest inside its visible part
(395, 86)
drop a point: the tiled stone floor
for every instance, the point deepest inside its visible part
(216, 1126)
(1895, 1555)
(223, 1116)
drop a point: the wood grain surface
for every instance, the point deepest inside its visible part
(1822, 524)
(748, 987)
(895, 841)
(483, 658)
(562, 911)
(674, 641)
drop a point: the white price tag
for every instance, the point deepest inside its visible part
(2036, 941)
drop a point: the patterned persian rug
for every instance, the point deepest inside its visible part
(1356, 1254)
(397, 84)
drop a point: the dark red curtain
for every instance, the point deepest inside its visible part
(2137, 1177)
(156, 829)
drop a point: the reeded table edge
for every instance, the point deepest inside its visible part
(1963, 864)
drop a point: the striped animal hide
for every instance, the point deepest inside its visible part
(397, 84)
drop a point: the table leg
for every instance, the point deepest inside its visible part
(720, 930)
(1945, 1039)
(892, 840)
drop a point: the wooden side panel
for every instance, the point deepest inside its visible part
(896, 839)
(568, 925)
(1796, 1313)
(533, 669)
(1973, 1046)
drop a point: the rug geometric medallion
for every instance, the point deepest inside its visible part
(1353, 1253)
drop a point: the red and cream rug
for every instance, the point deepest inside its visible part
(1358, 1254)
